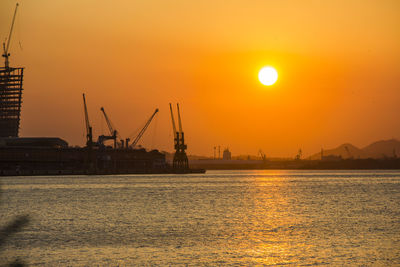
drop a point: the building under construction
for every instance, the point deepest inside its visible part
(11, 100)
(10, 91)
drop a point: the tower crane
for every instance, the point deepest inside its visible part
(142, 131)
(6, 47)
(113, 132)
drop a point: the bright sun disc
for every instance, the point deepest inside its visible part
(268, 76)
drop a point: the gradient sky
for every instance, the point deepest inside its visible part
(338, 65)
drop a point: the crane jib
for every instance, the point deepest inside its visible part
(6, 54)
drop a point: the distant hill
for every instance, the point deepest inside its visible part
(380, 149)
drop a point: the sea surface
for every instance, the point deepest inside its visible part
(242, 218)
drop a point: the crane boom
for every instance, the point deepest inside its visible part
(110, 125)
(173, 120)
(111, 128)
(179, 119)
(89, 136)
(86, 114)
(134, 143)
(5, 48)
(180, 161)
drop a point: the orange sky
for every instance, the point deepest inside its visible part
(338, 65)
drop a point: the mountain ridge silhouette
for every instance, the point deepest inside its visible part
(378, 149)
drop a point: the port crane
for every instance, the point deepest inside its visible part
(6, 54)
(113, 132)
(89, 132)
(142, 131)
(90, 160)
(180, 160)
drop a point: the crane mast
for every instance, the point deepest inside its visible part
(6, 47)
(180, 161)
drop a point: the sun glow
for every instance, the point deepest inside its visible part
(268, 76)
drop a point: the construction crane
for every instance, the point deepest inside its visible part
(180, 161)
(89, 133)
(113, 132)
(6, 47)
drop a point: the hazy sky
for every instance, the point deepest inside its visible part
(338, 65)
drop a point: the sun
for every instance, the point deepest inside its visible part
(268, 76)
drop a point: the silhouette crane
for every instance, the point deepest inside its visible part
(180, 161)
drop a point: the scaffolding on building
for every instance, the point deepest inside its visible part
(10, 100)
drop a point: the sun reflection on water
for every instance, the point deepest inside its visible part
(242, 218)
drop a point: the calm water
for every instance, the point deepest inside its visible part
(298, 218)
